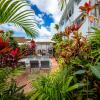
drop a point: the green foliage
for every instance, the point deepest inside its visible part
(8, 88)
(57, 27)
(95, 39)
(13, 92)
(4, 72)
(85, 64)
(59, 86)
(19, 13)
(79, 72)
(23, 47)
(96, 70)
(13, 43)
(57, 38)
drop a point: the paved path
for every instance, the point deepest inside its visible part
(54, 66)
(23, 80)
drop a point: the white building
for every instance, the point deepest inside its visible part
(44, 47)
(43, 51)
(72, 14)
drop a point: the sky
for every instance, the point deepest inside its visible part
(47, 14)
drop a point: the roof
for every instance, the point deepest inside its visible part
(20, 39)
(43, 41)
(24, 40)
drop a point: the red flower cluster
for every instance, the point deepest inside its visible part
(14, 52)
(7, 53)
(10, 56)
(3, 43)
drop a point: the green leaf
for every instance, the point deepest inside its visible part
(96, 71)
(12, 11)
(76, 86)
(79, 72)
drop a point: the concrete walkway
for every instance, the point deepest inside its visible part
(54, 66)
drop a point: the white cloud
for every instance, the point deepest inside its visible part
(50, 7)
(43, 32)
(11, 27)
(39, 19)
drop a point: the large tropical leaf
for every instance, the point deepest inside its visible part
(96, 71)
(19, 13)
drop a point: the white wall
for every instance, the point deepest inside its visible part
(85, 27)
(44, 46)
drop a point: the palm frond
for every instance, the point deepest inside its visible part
(19, 13)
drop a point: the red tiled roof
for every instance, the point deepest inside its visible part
(20, 39)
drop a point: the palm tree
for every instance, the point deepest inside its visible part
(19, 13)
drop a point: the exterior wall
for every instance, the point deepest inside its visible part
(72, 12)
(44, 47)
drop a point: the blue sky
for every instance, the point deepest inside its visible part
(47, 14)
(45, 19)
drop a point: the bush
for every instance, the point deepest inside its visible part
(59, 86)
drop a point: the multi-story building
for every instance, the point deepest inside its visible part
(43, 47)
(72, 14)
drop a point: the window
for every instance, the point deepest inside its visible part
(71, 12)
(45, 64)
(34, 64)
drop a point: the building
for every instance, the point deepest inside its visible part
(22, 40)
(43, 47)
(72, 14)
(43, 52)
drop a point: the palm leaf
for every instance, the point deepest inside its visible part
(19, 13)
